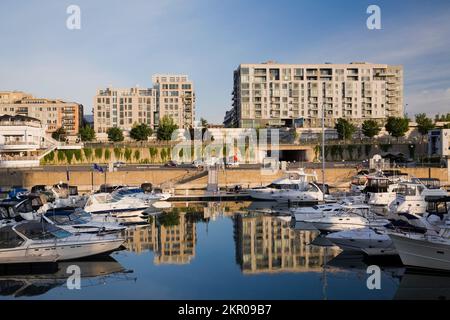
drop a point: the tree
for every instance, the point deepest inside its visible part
(87, 133)
(140, 132)
(115, 134)
(345, 129)
(165, 129)
(370, 128)
(424, 124)
(396, 126)
(204, 122)
(59, 134)
(446, 126)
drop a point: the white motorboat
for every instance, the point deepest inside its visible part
(380, 190)
(305, 213)
(376, 241)
(350, 217)
(76, 220)
(371, 241)
(429, 250)
(296, 186)
(411, 197)
(302, 214)
(424, 250)
(139, 193)
(115, 207)
(33, 242)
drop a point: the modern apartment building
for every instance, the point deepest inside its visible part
(175, 98)
(123, 108)
(273, 94)
(52, 113)
(172, 95)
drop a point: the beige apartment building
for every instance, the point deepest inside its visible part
(273, 94)
(54, 114)
(123, 108)
(171, 95)
(175, 98)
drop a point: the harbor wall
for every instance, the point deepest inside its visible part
(86, 180)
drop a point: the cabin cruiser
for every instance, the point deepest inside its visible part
(430, 249)
(60, 195)
(33, 242)
(116, 207)
(349, 217)
(296, 186)
(376, 241)
(76, 220)
(411, 197)
(304, 213)
(139, 193)
(380, 191)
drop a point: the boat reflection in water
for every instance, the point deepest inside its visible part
(266, 244)
(423, 286)
(36, 280)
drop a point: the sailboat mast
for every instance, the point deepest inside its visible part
(323, 149)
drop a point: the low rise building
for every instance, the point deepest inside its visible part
(54, 114)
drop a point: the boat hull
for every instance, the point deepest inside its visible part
(50, 253)
(420, 253)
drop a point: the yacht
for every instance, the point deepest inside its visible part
(33, 242)
(371, 241)
(431, 249)
(411, 196)
(380, 191)
(302, 214)
(76, 220)
(139, 193)
(116, 207)
(349, 217)
(296, 186)
(376, 241)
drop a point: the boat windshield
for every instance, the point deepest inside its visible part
(9, 238)
(406, 190)
(66, 217)
(41, 231)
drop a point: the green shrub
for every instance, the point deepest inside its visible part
(118, 153)
(107, 154)
(78, 155)
(69, 155)
(137, 154)
(61, 155)
(87, 153)
(127, 154)
(98, 153)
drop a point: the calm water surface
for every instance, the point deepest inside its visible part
(220, 251)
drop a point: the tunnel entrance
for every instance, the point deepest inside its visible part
(293, 155)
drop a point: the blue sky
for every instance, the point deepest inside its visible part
(122, 43)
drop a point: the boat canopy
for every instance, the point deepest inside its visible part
(41, 231)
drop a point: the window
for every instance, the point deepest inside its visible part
(9, 239)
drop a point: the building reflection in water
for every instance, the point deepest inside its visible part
(175, 243)
(266, 244)
(172, 243)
